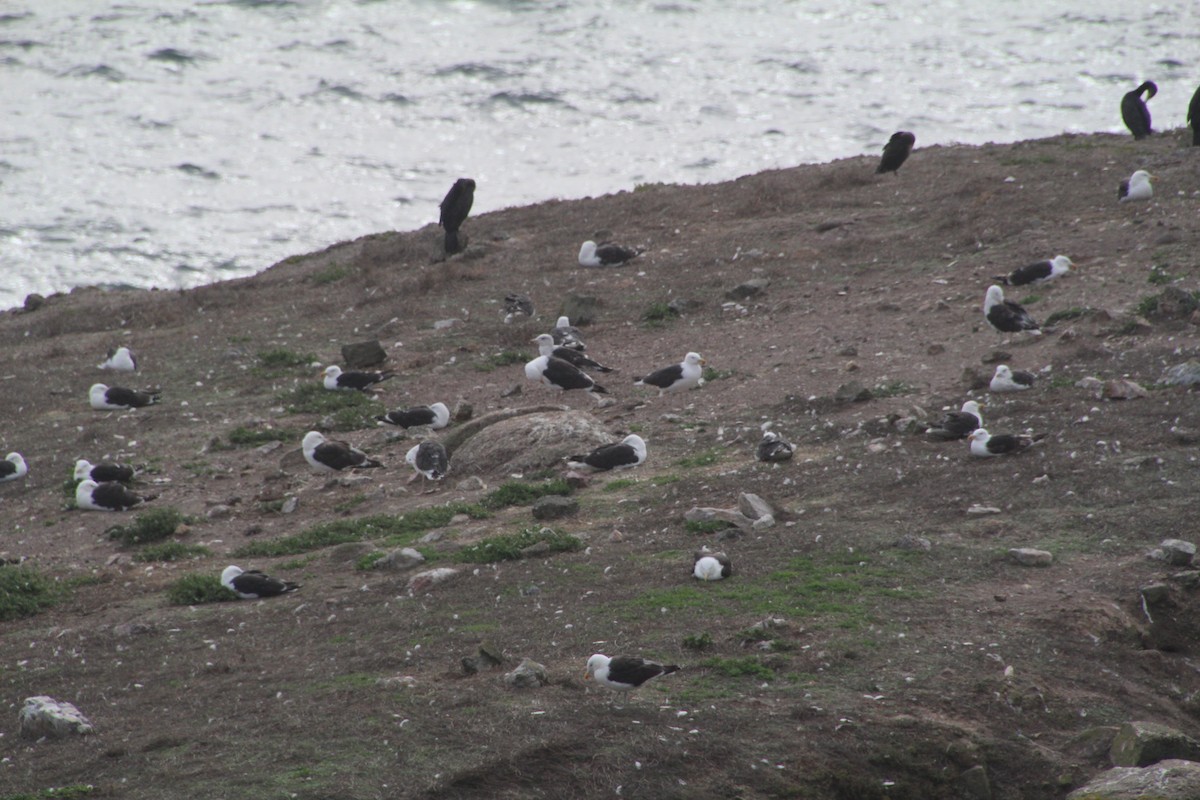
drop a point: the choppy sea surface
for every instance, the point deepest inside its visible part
(171, 143)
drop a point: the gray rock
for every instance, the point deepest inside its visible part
(1174, 302)
(349, 552)
(1185, 374)
(682, 305)
(290, 505)
(910, 541)
(44, 717)
(131, 629)
(471, 484)
(400, 558)
(580, 309)
(527, 675)
(1167, 780)
(526, 443)
(360, 355)
(732, 516)
(268, 448)
(424, 581)
(1177, 552)
(1121, 389)
(1092, 742)
(33, 301)
(748, 289)
(446, 324)
(463, 411)
(754, 506)
(1155, 594)
(1140, 744)
(1030, 557)
(431, 537)
(852, 392)
(975, 783)
(554, 507)
(219, 511)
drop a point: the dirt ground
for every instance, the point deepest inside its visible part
(897, 669)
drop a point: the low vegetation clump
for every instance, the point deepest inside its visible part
(348, 411)
(24, 592)
(197, 588)
(514, 546)
(515, 493)
(170, 551)
(282, 358)
(253, 437)
(398, 529)
(149, 526)
(698, 641)
(1067, 314)
(55, 793)
(658, 314)
(706, 525)
(744, 666)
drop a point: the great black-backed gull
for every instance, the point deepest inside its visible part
(13, 467)
(628, 453)
(1005, 315)
(336, 378)
(708, 566)
(1134, 111)
(251, 584)
(328, 455)
(985, 445)
(103, 472)
(454, 209)
(773, 448)
(561, 375)
(1037, 273)
(1011, 380)
(120, 359)
(605, 254)
(516, 304)
(429, 459)
(624, 672)
(104, 398)
(567, 335)
(677, 377)
(1138, 187)
(895, 152)
(546, 347)
(436, 416)
(958, 424)
(1193, 117)
(107, 496)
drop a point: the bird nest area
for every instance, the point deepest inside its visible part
(878, 641)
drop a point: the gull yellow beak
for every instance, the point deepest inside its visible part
(587, 676)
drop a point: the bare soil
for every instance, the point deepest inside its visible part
(896, 671)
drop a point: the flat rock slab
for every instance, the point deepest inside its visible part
(1030, 557)
(1167, 780)
(360, 355)
(555, 507)
(1140, 744)
(44, 717)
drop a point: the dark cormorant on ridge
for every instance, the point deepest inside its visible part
(1193, 117)
(1134, 111)
(455, 207)
(896, 151)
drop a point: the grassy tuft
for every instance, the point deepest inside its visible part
(171, 551)
(253, 437)
(658, 314)
(1147, 306)
(282, 358)
(400, 530)
(198, 588)
(744, 666)
(515, 493)
(700, 641)
(711, 374)
(369, 560)
(505, 358)
(893, 389)
(1159, 275)
(350, 411)
(24, 592)
(331, 274)
(706, 525)
(705, 459)
(510, 547)
(149, 526)
(54, 793)
(619, 483)
(1067, 314)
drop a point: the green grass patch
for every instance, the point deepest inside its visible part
(198, 588)
(698, 641)
(253, 437)
(1160, 277)
(369, 560)
(892, 389)
(149, 526)
(282, 358)
(350, 503)
(711, 374)
(705, 459)
(1030, 299)
(510, 547)
(514, 493)
(349, 411)
(1147, 306)
(331, 274)
(741, 667)
(56, 793)
(706, 525)
(505, 358)
(619, 483)
(398, 529)
(24, 592)
(1068, 314)
(171, 551)
(657, 315)
(663, 480)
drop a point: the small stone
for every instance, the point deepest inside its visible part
(431, 537)
(576, 480)
(424, 581)
(748, 289)
(130, 629)
(354, 480)
(975, 783)
(290, 505)
(1121, 389)
(682, 305)
(978, 509)
(554, 507)
(396, 682)
(400, 558)
(532, 590)
(1139, 744)
(360, 355)
(1091, 384)
(852, 366)
(580, 308)
(44, 717)
(848, 352)
(1185, 374)
(1172, 779)
(1030, 557)
(471, 484)
(997, 357)
(512, 391)
(754, 506)
(349, 552)
(527, 675)
(1155, 594)
(463, 411)
(267, 448)
(852, 393)
(935, 349)
(220, 511)
(910, 541)
(33, 301)
(446, 324)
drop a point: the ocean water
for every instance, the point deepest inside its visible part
(171, 143)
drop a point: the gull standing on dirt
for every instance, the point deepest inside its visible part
(562, 375)
(1005, 315)
(355, 380)
(1138, 187)
(546, 347)
(252, 584)
(624, 672)
(106, 398)
(677, 377)
(329, 455)
(1011, 380)
(120, 359)
(430, 461)
(13, 467)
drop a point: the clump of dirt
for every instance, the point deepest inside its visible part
(906, 649)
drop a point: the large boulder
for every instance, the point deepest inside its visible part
(46, 718)
(1167, 780)
(1140, 744)
(529, 443)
